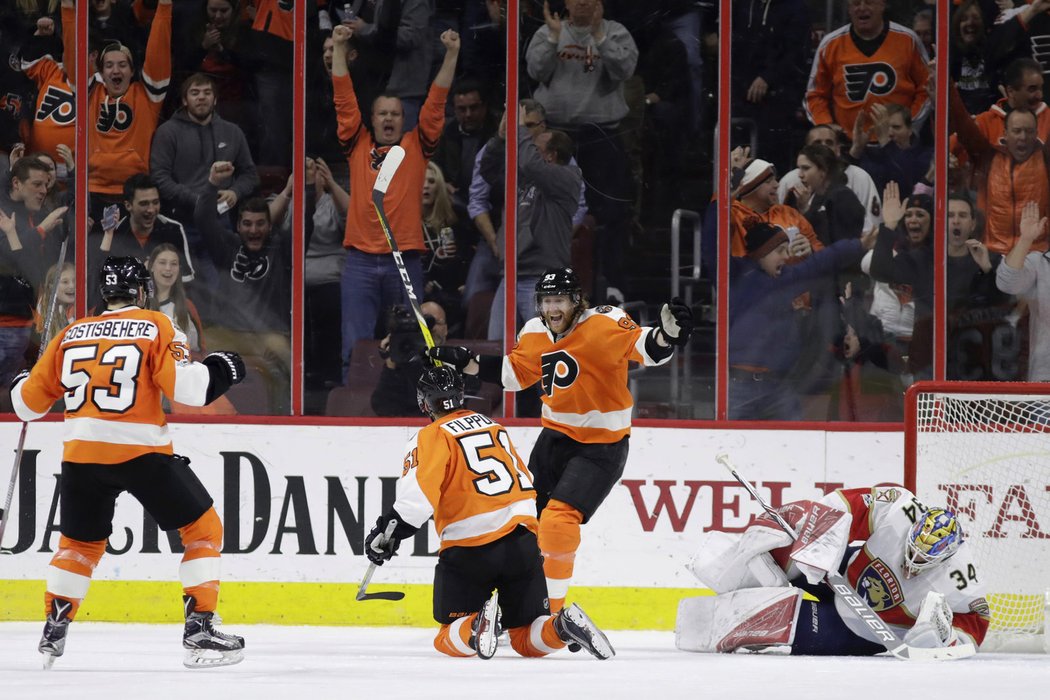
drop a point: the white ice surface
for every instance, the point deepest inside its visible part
(128, 662)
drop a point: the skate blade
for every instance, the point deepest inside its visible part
(49, 661)
(211, 658)
(487, 640)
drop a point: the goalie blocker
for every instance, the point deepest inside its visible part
(771, 591)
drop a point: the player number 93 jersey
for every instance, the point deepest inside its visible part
(463, 470)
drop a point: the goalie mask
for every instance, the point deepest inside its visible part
(439, 390)
(935, 537)
(125, 279)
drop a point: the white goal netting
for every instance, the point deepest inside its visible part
(984, 452)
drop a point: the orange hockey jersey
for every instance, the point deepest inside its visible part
(843, 78)
(55, 114)
(112, 370)
(122, 129)
(463, 470)
(584, 374)
(403, 202)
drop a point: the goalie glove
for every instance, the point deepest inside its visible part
(676, 322)
(933, 627)
(457, 356)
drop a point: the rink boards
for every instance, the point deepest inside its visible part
(297, 501)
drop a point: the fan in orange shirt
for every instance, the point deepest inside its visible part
(111, 370)
(580, 357)
(463, 470)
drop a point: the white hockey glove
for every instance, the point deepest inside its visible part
(933, 627)
(676, 322)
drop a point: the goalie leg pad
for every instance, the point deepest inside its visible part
(727, 562)
(751, 618)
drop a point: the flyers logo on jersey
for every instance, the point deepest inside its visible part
(246, 267)
(559, 370)
(56, 105)
(863, 79)
(879, 587)
(114, 116)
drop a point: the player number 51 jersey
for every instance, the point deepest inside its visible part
(463, 470)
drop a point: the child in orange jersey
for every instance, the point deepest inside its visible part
(463, 470)
(580, 358)
(112, 370)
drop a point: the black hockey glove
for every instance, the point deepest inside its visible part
(676, 322)
(19, 377)
(380, 548)
(457, 356)
(229, 362)
(225, 368)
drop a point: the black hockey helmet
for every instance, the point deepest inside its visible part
(559, 281)
(439, 389)
(124, 278)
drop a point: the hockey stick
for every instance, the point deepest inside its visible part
(391, 163)
(382, 595)
(840, 585)
(49, 318)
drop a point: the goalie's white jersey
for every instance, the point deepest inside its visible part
(882, 518)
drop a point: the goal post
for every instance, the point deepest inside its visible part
(983, 451)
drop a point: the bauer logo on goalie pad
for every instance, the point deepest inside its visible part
(879, 587)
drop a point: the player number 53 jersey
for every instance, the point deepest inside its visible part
(112, 370)
(463, 470)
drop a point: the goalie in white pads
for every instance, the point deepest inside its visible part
(912, 568)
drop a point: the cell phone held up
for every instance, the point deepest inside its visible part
(110, 217)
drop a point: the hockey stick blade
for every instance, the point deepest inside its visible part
(381, 595)
(391, 162)
(363, 588)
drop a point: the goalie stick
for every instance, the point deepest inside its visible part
(391, 163)
(840, 585)
(382, 595)
(49, 318)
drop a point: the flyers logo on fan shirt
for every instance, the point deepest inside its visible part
(463, 470)
(868, 78)
(57, 105)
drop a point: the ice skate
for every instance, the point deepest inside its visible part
(573, 626)
(484, 635)
(205, 646)
(53, 640)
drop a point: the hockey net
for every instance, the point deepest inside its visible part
(983, 450)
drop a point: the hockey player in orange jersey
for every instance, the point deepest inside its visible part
(580, 358)
(463, 470)
(112, 370)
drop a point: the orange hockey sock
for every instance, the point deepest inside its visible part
(454, 639)
(537, 639)
(199, 571)
(69, 574)
(559, 538)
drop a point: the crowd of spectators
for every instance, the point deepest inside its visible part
(190, 166)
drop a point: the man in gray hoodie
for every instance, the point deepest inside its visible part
(185, 146)
(548, 196)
